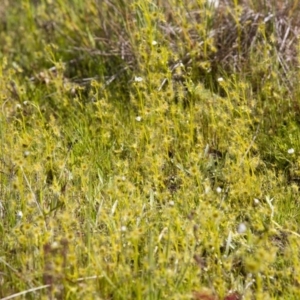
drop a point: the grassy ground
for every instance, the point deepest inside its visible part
(149, 150)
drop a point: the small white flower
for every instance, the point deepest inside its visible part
(220, 79)
(171, 203)
(18, 106)
(256, 201)
(138, 118)
(154, 43)
(19, 214)
(123, 228)
(242, 228)
(54, 245)
(219, 190)
(291, 151)
(26, 153)
(138, 79)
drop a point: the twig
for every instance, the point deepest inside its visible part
(43, 287)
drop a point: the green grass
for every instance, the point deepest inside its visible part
(141, 160)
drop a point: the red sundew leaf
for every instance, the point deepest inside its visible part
(233, 296)
(203, 296)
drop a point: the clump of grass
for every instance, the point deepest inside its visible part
(149, 150)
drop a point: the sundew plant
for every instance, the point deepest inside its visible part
(149, 149)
